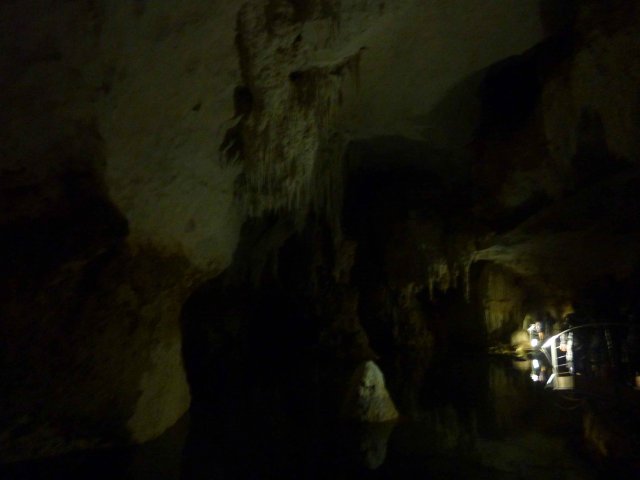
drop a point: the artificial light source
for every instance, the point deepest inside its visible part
(534, 342)
(536, 363)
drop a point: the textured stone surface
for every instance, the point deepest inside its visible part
(170, 73)
(502, 301)
(323, 72)
(114, 204)
(419, 53)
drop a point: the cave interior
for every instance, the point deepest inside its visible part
(306, 238)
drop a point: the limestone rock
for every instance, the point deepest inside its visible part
(520, 339)
(92, 367)
(113, 205)
(502, 299)
(368, 399)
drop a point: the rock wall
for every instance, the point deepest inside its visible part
(114, 205)
(502, 298)
(558, 186)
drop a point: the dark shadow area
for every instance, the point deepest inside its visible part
(476, 418)
(558, 17)
(593, 160)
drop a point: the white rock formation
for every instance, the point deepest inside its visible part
(367, 397)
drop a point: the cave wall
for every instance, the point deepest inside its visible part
(565, 209)
(138, 136)
(114, 205)
(551, 164)
(502, 298)
(591, 104)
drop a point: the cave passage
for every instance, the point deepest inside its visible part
(320, 239)
(316, 358)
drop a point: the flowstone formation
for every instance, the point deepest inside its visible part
(285, 136)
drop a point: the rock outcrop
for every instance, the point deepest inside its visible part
(114, 205)
(367, 397)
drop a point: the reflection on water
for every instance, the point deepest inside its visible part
(474, 418)
(373, 441)
(488, 420)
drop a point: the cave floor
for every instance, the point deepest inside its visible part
(474, 418)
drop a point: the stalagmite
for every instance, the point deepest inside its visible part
(367, 398)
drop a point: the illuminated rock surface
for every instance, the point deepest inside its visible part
(368, 399)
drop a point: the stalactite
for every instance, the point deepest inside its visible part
(467, 276)
(289, 150)
(443, 276)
